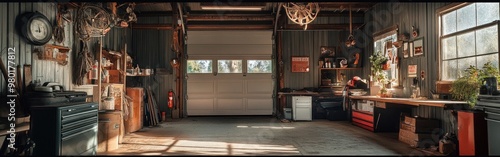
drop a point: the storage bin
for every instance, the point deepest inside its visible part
(288, 113)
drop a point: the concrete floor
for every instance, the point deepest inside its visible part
(259, 135)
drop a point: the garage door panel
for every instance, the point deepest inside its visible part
(200, 87)
(229, 87)
(230, 49)
(229, 37)
(259, 86)
(230, 104)
(260, 104)
(201, 104)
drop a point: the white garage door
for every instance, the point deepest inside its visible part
(229, 73)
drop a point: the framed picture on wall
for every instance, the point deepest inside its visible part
(327, 51)
(406, 53)
(300, 64)
(412, 70)
(418, 46)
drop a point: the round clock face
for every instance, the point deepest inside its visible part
(39, 29)
(35, 27)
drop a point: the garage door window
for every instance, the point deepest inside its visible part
(229, 66)
(259, 66)
(199, 66)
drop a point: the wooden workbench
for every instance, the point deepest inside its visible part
(383, 114)
(410, 101)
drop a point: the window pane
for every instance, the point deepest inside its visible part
(229, 66)
(466, 17)
(378, 46)
(449, 22)
(466, 45)
(488, 58)
(464, 64)
(487, 12)
(199, 66)
(449, 48)
(487, 40)
(259, 66)
(449, 70)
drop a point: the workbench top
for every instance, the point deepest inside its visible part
(410, 101)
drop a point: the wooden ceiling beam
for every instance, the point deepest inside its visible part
(154, 13)
(247, 27)
(152, 26)
(320, 26)
(230, 27)
(339, 14)
(228, 18)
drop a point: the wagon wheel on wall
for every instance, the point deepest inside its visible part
(92, 21)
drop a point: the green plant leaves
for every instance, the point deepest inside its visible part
(466, 88)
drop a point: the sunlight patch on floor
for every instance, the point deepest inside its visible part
(265, 127)
(166, 145)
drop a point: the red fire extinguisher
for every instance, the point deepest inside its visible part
(170, 99)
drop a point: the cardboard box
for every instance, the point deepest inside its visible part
(414, 136)
(421, 122)
(446, 147)
(419, 129)
(416, 140)
(443, 87)
(114, 76)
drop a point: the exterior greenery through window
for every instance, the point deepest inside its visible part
(229, 66)
(383, 45)
(259, 66)
(469, 36)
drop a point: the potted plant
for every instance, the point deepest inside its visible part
(378, 66)
(466, 88)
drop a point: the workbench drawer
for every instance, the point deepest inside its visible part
(363, 116)
(362, 124)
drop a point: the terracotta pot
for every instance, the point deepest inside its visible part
(385, 66)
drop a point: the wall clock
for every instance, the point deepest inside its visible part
(36, 28)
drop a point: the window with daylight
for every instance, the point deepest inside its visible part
(468, 36)
(383, 43)
(229, 66)
(259, 66)
(199, 66)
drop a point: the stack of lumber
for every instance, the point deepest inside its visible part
(151, 112)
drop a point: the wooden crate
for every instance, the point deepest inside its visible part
(108, 131)
(134, 121)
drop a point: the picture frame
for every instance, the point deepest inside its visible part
(412, 70)
(406, 53)
(300, 64)
(327, 51)
(418, 47)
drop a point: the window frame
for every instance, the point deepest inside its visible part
(454, 7)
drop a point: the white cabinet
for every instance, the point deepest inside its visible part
(302, 107)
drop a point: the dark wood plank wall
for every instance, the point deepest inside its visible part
(308, 43)
(152, 49)
(423, 17)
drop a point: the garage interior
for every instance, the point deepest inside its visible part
(249, 78)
